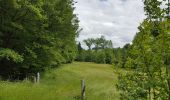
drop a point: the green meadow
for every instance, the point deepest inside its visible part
(64, 83)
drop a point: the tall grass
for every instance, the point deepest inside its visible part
(64, 83)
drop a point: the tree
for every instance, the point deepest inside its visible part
(102, 52)
(89, 42)
(35, 35)
(79, 48)
(149, 78)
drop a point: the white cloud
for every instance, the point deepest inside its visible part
(117, 20)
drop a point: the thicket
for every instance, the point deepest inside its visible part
(35, 35)
(148, 62)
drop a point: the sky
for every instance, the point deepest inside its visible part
(117, 20)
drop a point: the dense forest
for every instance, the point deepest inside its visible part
(35, 35)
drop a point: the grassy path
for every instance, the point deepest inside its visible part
(64, 83)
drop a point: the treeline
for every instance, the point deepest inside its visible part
(101, 50)
(35, 35)
(148, 59)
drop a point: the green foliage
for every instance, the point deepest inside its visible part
(89, 42)
(10, 55)
(37, 34)
(99, 50)
(148, 62)
(100, 57)
(121, 55)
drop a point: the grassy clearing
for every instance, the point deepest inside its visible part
(64, 83)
